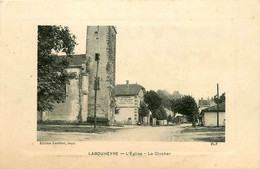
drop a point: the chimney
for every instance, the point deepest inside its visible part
(127, 83)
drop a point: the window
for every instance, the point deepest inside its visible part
(117, 111)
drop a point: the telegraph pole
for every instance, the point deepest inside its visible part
(96, 88)
(217, 106)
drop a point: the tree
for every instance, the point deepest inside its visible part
(186, 106)
(221, 99)
(157, 114)
(176, 95)
(189, 108)
(169, 118)
(153, 100)
(52, 75)
(176, 105)
(143, 111)
(160, 113)
(163, 113)
(165, 97)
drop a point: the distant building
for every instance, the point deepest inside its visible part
(180, 118)
(169, 112)
(209, 115)
(128, 99)
(203, 104)
(79, 104)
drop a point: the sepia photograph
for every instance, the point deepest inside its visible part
(104, 94)
(119, 84)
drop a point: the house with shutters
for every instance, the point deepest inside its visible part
(128, 99)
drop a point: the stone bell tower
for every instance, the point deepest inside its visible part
(102, 40)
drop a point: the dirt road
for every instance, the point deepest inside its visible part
(134, 133)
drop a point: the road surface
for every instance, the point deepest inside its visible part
(129, 133)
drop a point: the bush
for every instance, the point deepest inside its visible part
(60, 122)
(100, 120)
(169, 118)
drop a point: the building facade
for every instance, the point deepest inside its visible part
(79, 104)
(128, 100)
(203, 104)
(102, 40)
(209, 115)
(75, 107)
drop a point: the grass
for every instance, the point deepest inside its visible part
(203, 129)
(211, 139)
(75, 128)
(205, 134)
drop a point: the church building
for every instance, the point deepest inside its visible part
(79, 104)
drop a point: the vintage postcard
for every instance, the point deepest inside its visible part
(130, 84)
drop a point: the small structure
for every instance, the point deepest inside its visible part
(209, 115)
(147, 119)
(128, 99)
(160, 122)
(153, 121)
(204, 104)
(178, 117)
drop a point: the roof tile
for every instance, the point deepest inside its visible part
(122, 89)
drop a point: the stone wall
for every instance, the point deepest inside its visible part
(69, 110)
(101, 39)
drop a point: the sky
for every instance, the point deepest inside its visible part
(188, 57)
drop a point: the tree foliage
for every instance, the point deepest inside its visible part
(143, 110)
(159, 114)
(175, 95)
(221, 99)
(169, 118)
(185, 105)
(153, 100)
(165, 97)
(52, 75)
(176, 105)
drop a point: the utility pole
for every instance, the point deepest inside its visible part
(217, 106)
(96, 88)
